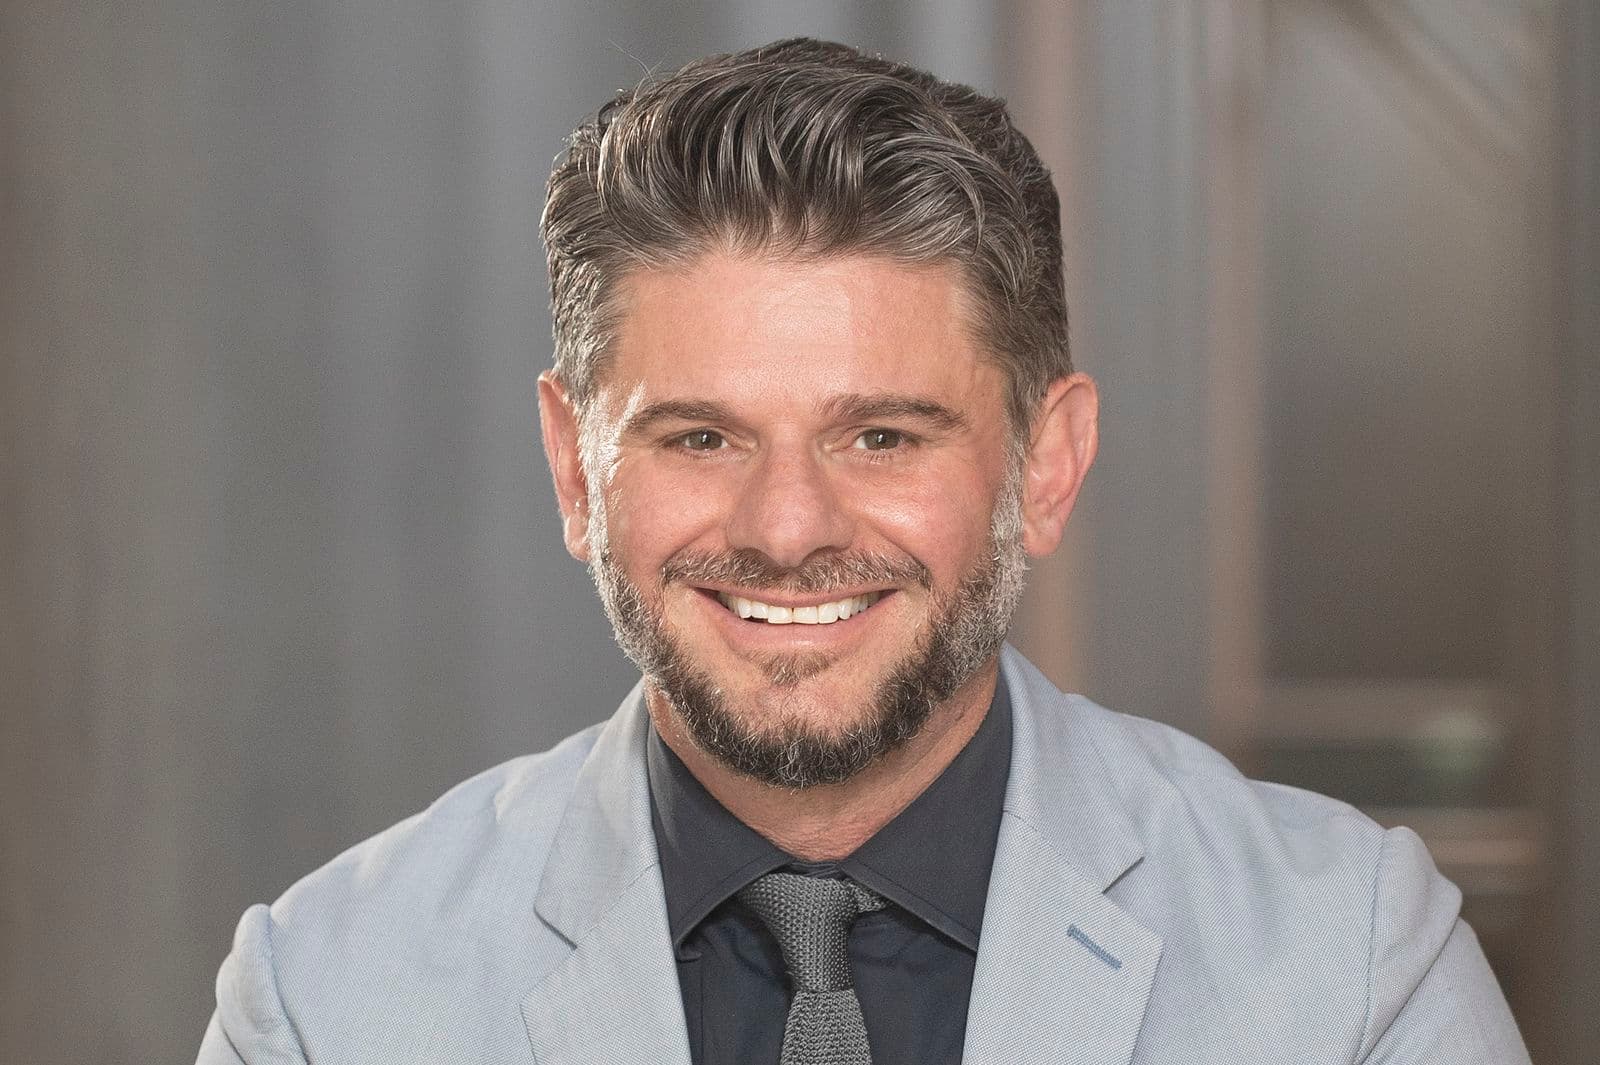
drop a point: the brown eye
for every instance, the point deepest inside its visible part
(702, 440)
(880, 440)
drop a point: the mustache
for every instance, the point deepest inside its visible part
(750, 568)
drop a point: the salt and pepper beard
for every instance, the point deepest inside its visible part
(966, 629)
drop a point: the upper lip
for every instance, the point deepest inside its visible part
(789, 600)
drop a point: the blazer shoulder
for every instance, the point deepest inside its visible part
(422, 920)
(1349, 913)
(1164, 770)
(450, 856)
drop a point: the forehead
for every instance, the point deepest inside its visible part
(770, 327)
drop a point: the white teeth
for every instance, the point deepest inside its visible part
(821, 614)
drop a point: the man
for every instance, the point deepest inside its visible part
(811, 409)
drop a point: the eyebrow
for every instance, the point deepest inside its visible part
(850, 407)
(892, 406)
(675, 410)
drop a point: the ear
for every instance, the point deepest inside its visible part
(1065, 438)
(558, 422)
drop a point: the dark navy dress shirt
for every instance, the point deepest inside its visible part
(912, 961)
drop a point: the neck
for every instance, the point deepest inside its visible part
(828, 822)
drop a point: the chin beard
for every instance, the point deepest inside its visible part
(967, 628)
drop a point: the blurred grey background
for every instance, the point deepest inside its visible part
(279, 562)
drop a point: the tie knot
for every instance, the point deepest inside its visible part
(810, 917)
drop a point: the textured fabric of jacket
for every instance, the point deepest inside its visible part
(1147, 904)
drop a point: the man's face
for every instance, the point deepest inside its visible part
(803, 519)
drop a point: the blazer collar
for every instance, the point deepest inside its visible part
(1063, 973)
(604, 842)
(1061, 783)
(615, 996)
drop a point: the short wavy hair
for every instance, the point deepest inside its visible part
(809, 149)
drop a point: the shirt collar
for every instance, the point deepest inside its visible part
(707, 854)
(933, 859)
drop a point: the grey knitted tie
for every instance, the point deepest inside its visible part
(811, 919)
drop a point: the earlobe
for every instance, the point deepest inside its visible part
(1061, 449)
(558, 423)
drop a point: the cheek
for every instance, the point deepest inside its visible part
(941, 521)
(652, 514)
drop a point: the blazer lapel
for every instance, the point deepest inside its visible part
(1063, 973)
(614, 996)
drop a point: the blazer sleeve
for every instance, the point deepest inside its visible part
(250, 1026)
(1431, 994)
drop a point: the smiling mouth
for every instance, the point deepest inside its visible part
(818, 614)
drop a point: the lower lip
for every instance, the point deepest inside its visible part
(793, 635)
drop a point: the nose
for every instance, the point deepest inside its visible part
(788, 509)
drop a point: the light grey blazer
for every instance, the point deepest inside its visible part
(1148, 904)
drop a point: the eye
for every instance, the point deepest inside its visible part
(701, 440)
(880, 440)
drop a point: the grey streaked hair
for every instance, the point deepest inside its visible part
(807, 149)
